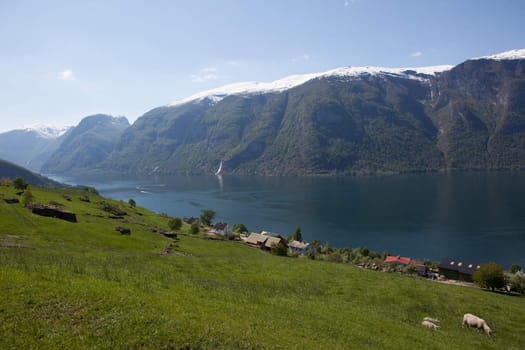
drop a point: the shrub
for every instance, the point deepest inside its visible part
(335, 257)
(517, 282)
(194, 228)
(132, 203)
(27, 198)
(89, 189)
(20, 183)
(410, 269)
(5, 182)
(175, 224)
(279, 249)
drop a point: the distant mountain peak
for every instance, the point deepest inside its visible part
(517, 54)
(47, 131)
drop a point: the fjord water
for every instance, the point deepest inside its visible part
(470, 216)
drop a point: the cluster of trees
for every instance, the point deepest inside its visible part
(205, 219)
(492, 276)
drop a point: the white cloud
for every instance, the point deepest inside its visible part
(349, 2)
(416, 54)
(304, 57)
(66, 75)
(204, 75)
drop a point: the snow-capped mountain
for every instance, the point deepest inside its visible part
(31, 146)
(46, 131)
(249, 88)
(517, 54)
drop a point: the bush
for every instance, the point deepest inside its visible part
(27, 198)
(89, 189)
(234, 236)
(490, 275)
(175, 224)
(132, 203)
(335, 257)
(410, 269)
(194, 228)
(279, 249)
(19, 183)
(517, 282)
(5, 182)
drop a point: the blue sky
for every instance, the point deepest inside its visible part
(63, 60)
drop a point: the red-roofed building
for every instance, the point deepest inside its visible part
(397, 260)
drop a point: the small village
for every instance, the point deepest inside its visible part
(448, 270)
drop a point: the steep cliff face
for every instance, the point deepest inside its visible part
(481, 114)
(87, 145)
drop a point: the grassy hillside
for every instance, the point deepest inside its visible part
(12, 171)
(84, 285)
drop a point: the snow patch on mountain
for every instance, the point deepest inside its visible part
(250, 88)
(46, 131)
(517, 54)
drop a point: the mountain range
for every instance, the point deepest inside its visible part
(352, 120)
(32, 146)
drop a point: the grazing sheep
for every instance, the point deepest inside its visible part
(429, 324)
(474, 321)
(430, 319)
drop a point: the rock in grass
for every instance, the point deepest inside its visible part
(122, 230)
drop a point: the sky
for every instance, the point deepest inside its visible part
(63, 60)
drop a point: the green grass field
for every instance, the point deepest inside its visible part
(84, 285)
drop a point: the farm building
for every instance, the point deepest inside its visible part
(265, 241)
(458, 270)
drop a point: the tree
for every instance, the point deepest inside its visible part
(317, 245)
(240, 228)
(20, 183)
(207, 216)
(327, 248)
(175, 224)
(515, 268)
(132, 203)
(490, 275)
(297, 236)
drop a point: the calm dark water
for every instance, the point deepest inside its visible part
(470, 216)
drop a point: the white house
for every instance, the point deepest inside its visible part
(301, 248)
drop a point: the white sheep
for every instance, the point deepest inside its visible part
(474, 321)
(430, 319)
(429, 324)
